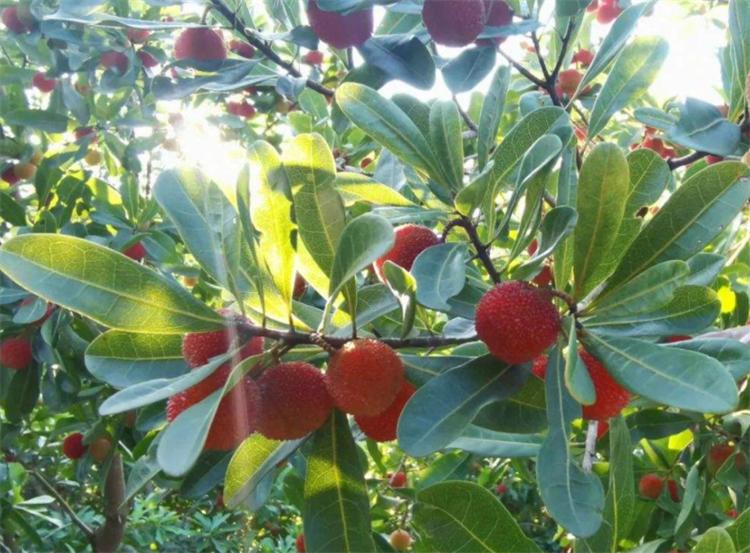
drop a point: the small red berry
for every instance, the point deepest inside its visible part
(9, 175)
(584, 57)
(200, 43)
(650, 486)
(539, 368)
(135, 252)
(732, 513)
(673, 490)
(241, 109)
(397, 479)
(114, 60)
(138, 36)
(544, 278)
(241, 48)
(73, 447)
(339, 30)
(315, 57)
(409, 242)
(42, 83)
(147, 60)
(300, 543)
(607, 13)
(611, 398)
(501, 489)
(569, 81)
(300, 287)
(13, 22)
(16, 353)
(400, 540)
(454, 22)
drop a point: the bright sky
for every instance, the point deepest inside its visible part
(692, 69)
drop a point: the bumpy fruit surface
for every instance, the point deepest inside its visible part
(299, 543)
(517, 321)
(611, 398)
(501, 489)
(364, 377)
(242, 49)
(100, 449)
(382, 427)
(539, 368)
(300, 287)
(237, 415)
(114, 60)
(499, 14)
(73, 447)
(42, 83)
(397, 479)
(339, 30)
(199, 347)
(200, 44)
(15, 353)
(454, 22)
(400, 540)
(584, 57)
(650, 486)
(409, 242)
(295, 401)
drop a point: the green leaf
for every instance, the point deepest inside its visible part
(443, 407)
(440, 272)
(402, 57)
(11, 210)
(491, 114)
(468, 69)
(574, 498)
(604, 181)
(446, 141)
(336, 514)
(733, 354)
(47, 121)
(103, 285)
(569, 8)
(703, 127)
(633, 72)
(22, 393)
(307, 161)
(558, 224)
(387, 124)
(122, 359)
(714, 540)
(404, 288)
(620, 501)
(613, 43)
(254, 459)
(576, 375)
(653, 424)
(739, 53)
(490, 443)
(355, 187)
(739, 531)
(524, 411)
(693, 216)
(462, 516)
(669, 376)
(649, 176)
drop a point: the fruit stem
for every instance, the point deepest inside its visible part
(675, 162)
(567, 298)
(590, 451)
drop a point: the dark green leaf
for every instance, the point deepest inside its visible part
(401, 57)
(468, 69)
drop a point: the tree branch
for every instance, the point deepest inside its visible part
(523, 71)
(465, 116)
(254, 40)
(552, 80)
(482, 249)
(109, 535)
(676, 162)
(539, 56)
(88, 532)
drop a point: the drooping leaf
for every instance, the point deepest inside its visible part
(447, 143)
(440, 272)
(401, 57)
(468, 69)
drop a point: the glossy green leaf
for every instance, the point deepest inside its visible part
(524, 411)
(402, 57)
(703, 127)
(122, 359)
(631, 75)
(653, 424)
(254, 459)
(574, 498)
(576, 375)
(307, 160)
(440, 272)
(103, 285)
(491, 114)
(356, 187)
(446, 141)
(649, 176)
(490, 443)
(47, 121)
(404, 288)
(468, 69)
(691, 218)
(463, 516)
(715, 540)
(444, 406)
(739, 53)
(669, 376)
(11, 211)
(604, 181)
(733, 354)
(336, 514)
(558, 224)
(739, 531)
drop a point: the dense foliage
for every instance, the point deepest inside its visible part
(515, 319)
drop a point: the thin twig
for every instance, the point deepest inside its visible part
(523, 71)
(465, 116)
(63, 504)
(539, 56)
(676, 162)
(481, 249)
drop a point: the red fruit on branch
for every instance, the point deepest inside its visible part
(199, 347)
(147, 60)
(73, 447)
(242, 49)
(241, 109)
(9, 175)
(400, 540)
(13, 21)
(607, 13)
(138, 36)
(42, 83)
(517, 321)
(719, 453)
(650, 486)
(499, 14)
(409, 242)
(364, 377)
(569, 81)
(135, 252)
(313, 58)
(584, 57)
(201, 44)
(340, 30)
(299, 543)
(114, 60)
(100, 449)
(454, 22)
(16, 353)
(382, 427)
(673, 490)
(611, 398)
(397, 479)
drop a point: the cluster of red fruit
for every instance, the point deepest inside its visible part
(651, 142)
(606, 10)
(73, 447)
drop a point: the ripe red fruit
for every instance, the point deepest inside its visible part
(678, 338)
(295, 401)
(135, 252)
(147, 60)
(300, 287)
(539, 368)
(711, 159)
(544, 278)
(454, 22)
(313, 58)
(12, 22)
(339, 30)
(410, 241)
(237, 415)
(15, 353)
(9, 175)
(731, 513)
(114, 60)
(42, 83)
(200, 43)
(650, 486)
(364, 377)
(400, 540)
(569, 81)
(517, 321)
(241, 109)
(673, 490)
(138, 36)
(382, 427)
(498, 14)
(584, 57)
(82, 132)
(602, 429)
(100, 449)
(719, 453)
(199, 347)
(593, 6)
(611, 398)
(241, 48)
(73, 447)
(607, 13)
(300, 543)
(501, 489)
(397, 479)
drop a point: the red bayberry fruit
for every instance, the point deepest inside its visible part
(138, 36)
(397, 479)
(100, 449)
(454, 22)
(732, 513)
(135, 252)
(499, 14)
(300, 543)
(607, 13)
(13, 22)
(241, 48)
(382, 427)
(9, 175)
(611, 398)
(501, 489)
(339, 30)
(83, 132)
(114, 60)
(237, 415)
(295, 401)
(400, 540)
(569, 81)
(517, 321)
(539, 368)
(313, 58)
(42, 83)
(364, 377)
(200, 43)
(544, 278)
(147, 60)
(199, 347)
(593, 6)
(241, 109)
(673, 490)
(16, 353)
(650, 486)
(584, 57)
(711, 159)
(719, 453)
(678, 338)
(72, 446)
(300, 287)
(409, 242)
(602, 429)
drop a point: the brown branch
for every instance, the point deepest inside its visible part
(538, 50)
(261, 45)
(481, 249)
(109, 535)
(552, 80)
(465, 116)
(676, 162)
(88, 532)
(523, 71)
